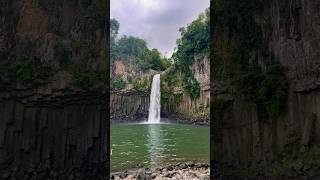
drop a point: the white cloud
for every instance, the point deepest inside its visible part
(156, 21)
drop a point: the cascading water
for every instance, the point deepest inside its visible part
(154, 109)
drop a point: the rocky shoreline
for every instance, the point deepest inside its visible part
(189, 170)
(200, 122)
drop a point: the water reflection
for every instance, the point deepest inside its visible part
(154, 145)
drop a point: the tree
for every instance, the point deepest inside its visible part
(194, 41)
(114, 28)
(136, 49)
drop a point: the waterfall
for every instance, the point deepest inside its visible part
(154, 109)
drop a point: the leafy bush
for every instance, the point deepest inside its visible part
(29, 71)
(194, 41)
(135, 49)
(118, 84)
(83, 78)
(87, 78)
(142, 85)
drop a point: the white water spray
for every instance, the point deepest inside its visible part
(154, 109)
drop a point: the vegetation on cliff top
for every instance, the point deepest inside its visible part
(242, 56)
(135, 49)
(194, 42)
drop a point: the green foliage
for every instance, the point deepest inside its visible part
(114, 28)
(194, 41)
(292, 157)
(142, 85)
(152, 60)
(118, 84)
(169, 81)
(83, 78)
(190, 84)
(202, 112)
(86, 78)
(29, 71)
(273, 90)
(135, 49)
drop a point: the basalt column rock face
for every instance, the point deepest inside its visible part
(53, 102)
(294, 39)
(45, 136)
(201, 71)
(184, 107)
(130, 106)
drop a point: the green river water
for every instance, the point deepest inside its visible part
(152, 145)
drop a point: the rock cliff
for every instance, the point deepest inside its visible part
(52, 95)
(278, 146)
(130, 103)
(186, 108)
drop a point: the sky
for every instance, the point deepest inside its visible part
(156, 21)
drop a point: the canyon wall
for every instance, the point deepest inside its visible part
(53, 101)
(131, 105)
(247, 141)
(186, 107)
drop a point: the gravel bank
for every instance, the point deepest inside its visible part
(189, 171)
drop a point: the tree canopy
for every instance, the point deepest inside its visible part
(136, 49)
